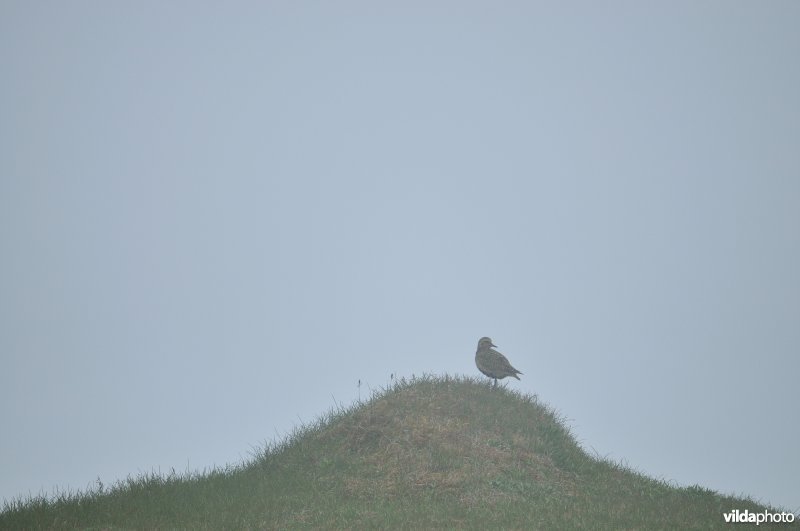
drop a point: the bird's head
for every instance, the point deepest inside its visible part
(485, 342)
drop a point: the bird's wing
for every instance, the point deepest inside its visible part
(500, 355)
(504, 361)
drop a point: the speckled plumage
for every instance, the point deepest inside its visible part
(492, 363)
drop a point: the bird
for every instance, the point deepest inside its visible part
(492, 363)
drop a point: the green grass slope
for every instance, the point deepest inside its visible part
(431, 452)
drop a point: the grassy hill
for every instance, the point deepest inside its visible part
(431, 452)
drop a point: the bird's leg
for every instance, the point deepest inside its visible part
(495, 382)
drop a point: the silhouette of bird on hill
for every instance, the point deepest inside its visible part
(492, 363)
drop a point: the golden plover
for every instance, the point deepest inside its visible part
(492, 363)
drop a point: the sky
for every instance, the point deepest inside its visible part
(216, 219)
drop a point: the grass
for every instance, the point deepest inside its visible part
(431, 452)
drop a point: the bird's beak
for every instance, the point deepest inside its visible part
(492, 344)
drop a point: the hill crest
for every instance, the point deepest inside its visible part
(427, 452)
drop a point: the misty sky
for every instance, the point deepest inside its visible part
(215, 219)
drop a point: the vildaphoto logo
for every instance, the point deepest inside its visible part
(741, 517)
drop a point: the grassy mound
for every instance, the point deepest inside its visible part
(430, 452)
